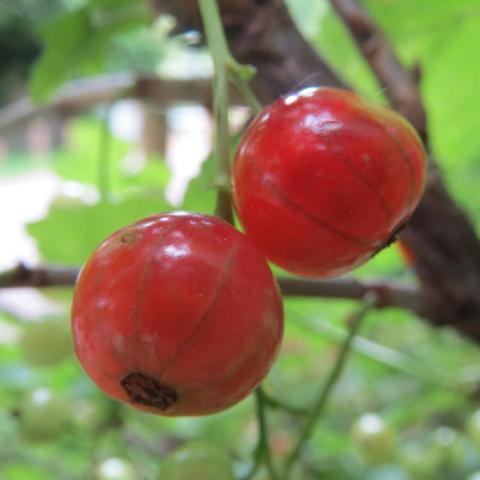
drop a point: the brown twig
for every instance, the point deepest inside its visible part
(389, 294)
(440, 235)
(401, 85)
(45, 276)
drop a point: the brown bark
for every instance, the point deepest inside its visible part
(262, 33)
(401, 86)
(440, 234)
(443, 240)
(388, 294)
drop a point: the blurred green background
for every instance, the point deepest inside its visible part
(54, 423)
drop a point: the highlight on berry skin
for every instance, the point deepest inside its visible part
(177, 314)
(323, 180)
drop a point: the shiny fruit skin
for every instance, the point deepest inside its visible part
(115, 469)
(323, 180)
(43, 416)
(373, 439)
(177, 314)
(197, 461)
(46, 342)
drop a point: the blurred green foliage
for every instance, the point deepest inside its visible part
(418, 379)
(81, 35)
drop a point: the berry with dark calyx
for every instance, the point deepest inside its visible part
(177, 314)
(323, 180)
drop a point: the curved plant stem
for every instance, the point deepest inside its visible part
(262, 451)
(276, 404)
(244, 88)
(384, 355)
(313, 416)
(221, 56)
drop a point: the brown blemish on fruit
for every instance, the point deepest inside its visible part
(147, 391)
(128, 238)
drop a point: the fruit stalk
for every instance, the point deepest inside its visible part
(218, 48)
(315, 413)
(262, 451)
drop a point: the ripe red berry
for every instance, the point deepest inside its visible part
(323, 180)
(177, 314)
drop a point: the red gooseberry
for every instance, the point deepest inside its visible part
(323, 180)
(177, 314)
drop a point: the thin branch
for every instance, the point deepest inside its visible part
(389, 294)
(386, 356)
(314, 415)
(246, 92)
(262, 451)
(440, 234)
(276, 404)
(46, 276)
(400, 84)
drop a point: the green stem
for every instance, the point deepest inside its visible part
(221, 56)
(381, 354)
(276, 404)
(244, 88)
(104, 159)
(262, 451)
(317, 409)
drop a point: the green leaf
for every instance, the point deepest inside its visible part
(65, 41)
(329, 36)
(20, 471)
(79, 158)
(201, 191)
(200, 195)
(76, 42)
(455, 116)
(69, 235)
(155, 175)
(420, 30)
